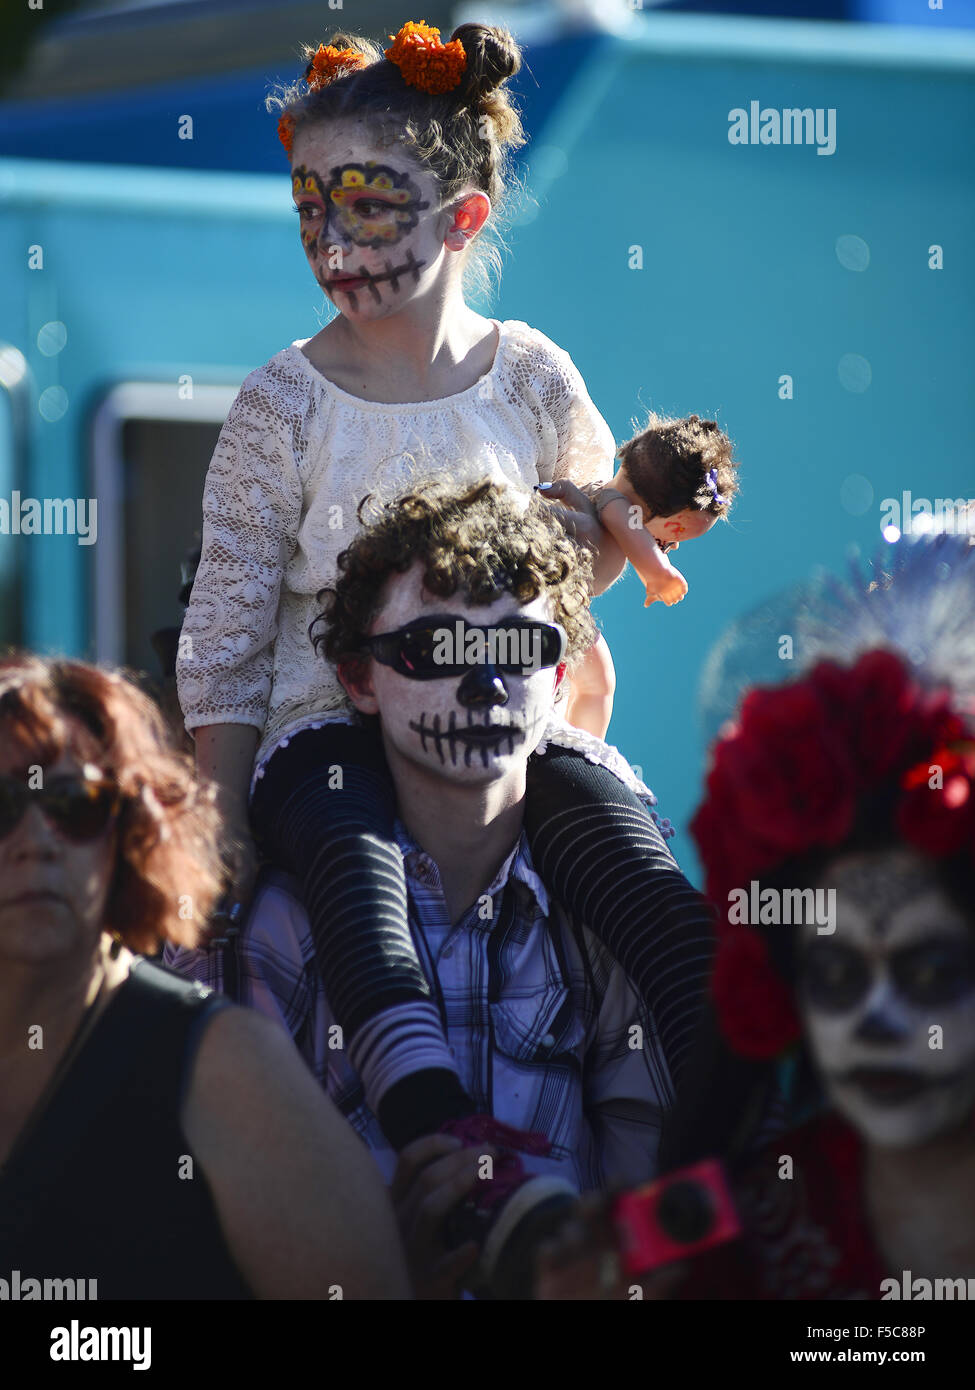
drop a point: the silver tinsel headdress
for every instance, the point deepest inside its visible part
(916, 597)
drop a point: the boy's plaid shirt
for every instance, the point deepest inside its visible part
(546, 1029)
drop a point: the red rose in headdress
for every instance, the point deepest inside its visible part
(792, 775)
(939, 819)
(780, 783)
(881, 714)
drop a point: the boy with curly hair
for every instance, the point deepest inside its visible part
(452, 623)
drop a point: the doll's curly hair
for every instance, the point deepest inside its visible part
(484, 540)
(168, 872)
(668, 464)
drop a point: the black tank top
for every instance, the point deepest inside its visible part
(101, 1188)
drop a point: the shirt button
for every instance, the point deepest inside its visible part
(548, 1040)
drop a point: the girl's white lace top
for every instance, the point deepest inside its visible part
(295, 457)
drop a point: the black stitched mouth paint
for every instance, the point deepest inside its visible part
(486, 737)
(371, 280)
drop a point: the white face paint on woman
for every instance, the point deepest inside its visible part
(888, 1001)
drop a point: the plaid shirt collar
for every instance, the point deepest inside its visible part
(423, 873)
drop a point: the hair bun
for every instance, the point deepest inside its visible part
(492, 57)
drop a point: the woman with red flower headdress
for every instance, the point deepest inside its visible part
(838, 839)
(870, 1005)
(837, 835)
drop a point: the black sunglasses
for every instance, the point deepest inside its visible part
(79, 806)
(427, 650)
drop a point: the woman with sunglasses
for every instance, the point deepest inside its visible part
(155, 1141)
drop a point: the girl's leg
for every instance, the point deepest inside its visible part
(324, 809)
(593, 685)
(596, 847)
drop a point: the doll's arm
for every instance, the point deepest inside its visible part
(662, 579)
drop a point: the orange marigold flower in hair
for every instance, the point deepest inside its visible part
(286, 131)
(329, 63)
(424, 61)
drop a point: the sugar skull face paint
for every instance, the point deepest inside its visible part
(473, 728)
(309, 196)
(896, 979)
(372, 204)
(369, 218)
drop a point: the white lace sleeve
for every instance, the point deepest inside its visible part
(252, 503)
(586, 447)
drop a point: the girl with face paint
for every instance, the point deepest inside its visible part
(857, 783)
(397, 170)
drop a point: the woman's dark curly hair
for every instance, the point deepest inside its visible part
(168, 872)
(484, 541)
(463, 136)
(668, 463)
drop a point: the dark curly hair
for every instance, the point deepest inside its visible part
(482, 540)
(462, 136)
(168, 872)
(667, 465)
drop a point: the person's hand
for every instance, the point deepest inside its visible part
(669, 587)
(433, 1175)
(569, 495)
(582, 1264)
(577, 512)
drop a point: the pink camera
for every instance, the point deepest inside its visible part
(676, 1216)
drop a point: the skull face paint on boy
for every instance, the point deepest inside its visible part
(901, 963)
(369, 219)
(473, 729)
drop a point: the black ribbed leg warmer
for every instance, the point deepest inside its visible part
(596, 847)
